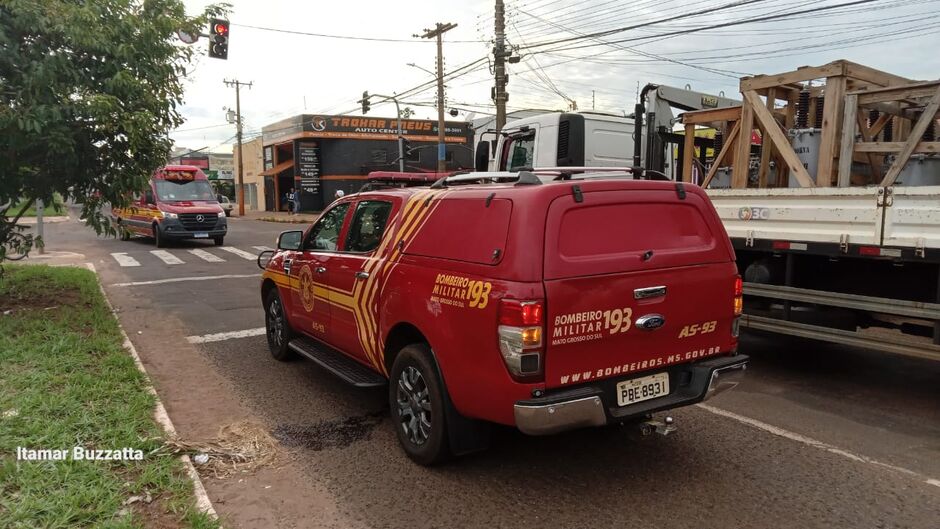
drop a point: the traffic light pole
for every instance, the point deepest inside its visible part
(238, 127)
(438, 32)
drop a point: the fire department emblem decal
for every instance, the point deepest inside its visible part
(306, 288)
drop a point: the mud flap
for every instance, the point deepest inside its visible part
(464, 435)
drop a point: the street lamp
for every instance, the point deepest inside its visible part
(401, 147)
(413, 65)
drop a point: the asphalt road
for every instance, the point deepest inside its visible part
(818, 435)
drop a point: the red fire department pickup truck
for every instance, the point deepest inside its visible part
(545, 303)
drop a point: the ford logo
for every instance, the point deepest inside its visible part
(200, 218)
(650, 322)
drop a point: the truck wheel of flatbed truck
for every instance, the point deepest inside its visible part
(416, 399)
(277, 327)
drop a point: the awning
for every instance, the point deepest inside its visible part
(277, 168)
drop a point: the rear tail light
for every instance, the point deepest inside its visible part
(520, 337)
(738, 296)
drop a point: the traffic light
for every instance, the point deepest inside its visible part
(218, 38)
(365, 102)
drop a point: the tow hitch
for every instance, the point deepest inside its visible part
(662, 427)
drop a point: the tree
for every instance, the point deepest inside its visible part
(89, 92)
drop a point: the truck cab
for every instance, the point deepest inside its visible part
(177, 204)
(565, 139)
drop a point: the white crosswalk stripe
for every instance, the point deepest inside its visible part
(167, 257)
(241, 253)
(206, 256)
(125, 260)
(263, 248)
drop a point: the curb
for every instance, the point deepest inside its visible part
(159, 413)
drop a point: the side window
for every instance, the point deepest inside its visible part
(325, 233)
(368, 225)
(521, 150)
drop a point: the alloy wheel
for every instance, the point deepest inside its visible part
(275, 323)
(414, 405)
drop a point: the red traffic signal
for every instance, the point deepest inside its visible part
(218, 38)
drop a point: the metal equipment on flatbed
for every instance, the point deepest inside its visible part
(841, 207)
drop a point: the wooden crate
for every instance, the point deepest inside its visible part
(849, 90)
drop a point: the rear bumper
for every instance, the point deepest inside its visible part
(596, 404)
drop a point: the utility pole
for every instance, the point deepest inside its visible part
(438, 32)
(499, 59)
(592, 99)
(238, 127)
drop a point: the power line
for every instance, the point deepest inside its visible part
(712, 26)
(726, 73)
(202, 128)
(653, 22)
(349, 37)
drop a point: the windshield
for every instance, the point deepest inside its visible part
(176, 190)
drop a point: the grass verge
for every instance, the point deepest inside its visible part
(66, 381)
(56, 208)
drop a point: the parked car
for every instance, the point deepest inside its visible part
(227, 205)
(507, 298)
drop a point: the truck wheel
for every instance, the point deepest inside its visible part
(416, 399)
(277, 328)
(158, 237)
(218, 240)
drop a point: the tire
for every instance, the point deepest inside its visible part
(219, 241)
(277, 328)
(416, 399)
(125, 233)
(158, 237)
(16, 242)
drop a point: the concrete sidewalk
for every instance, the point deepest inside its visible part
(278, 216)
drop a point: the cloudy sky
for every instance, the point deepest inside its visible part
(283, 48)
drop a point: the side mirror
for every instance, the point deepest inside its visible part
(482, 160)
(148, 198)
(290, 240)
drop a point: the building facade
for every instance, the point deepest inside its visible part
(253, 180)
(318, 154)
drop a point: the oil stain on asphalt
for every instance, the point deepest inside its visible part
(325, 435)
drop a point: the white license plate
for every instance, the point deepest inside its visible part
(643, 388)
(201, 235)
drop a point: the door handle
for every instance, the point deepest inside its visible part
(321, 270)
(362, 275)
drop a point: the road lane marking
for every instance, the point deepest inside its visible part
(263, 248)
(809, 441)
(167, 257)
(222, 336)
(206, 256)
(241, 253)
(125, 260)
(180, 279)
